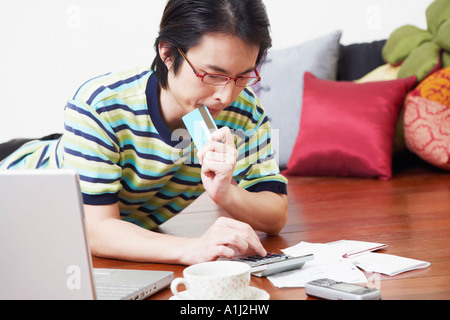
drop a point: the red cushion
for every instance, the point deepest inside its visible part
(347, 129)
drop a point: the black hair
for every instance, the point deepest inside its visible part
(185, 22)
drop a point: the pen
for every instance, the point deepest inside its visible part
(348, 255)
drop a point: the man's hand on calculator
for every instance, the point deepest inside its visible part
(273, 263)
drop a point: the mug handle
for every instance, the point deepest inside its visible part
(174, 286)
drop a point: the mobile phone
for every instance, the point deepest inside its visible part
(335, 290)
(273, 263)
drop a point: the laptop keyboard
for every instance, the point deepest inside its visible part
(117, 292)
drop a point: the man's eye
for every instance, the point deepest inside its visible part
(216, 77)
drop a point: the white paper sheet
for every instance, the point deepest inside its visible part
(323, 254)
(387, 264)
(340, 271)
(329, 262)
(351, 248)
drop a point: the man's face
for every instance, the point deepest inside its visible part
(216, 54)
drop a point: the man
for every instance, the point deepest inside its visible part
(120, 135)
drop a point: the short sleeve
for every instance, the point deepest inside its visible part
(92, 149)
(256, 169)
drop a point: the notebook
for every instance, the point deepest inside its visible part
(44, 247)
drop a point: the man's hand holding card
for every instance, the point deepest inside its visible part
(216, 152)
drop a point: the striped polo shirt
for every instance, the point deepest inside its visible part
(115, 138)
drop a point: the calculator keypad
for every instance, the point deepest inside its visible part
(257, 260)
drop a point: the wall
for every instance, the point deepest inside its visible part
(50, 47)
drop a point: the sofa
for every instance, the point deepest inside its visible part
(353, 110)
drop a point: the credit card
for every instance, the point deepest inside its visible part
(200, 125)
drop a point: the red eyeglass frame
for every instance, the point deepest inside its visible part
(198, 75)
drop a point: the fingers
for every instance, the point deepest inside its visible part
(223, 251)
(225, 238)
(238, 235)
(216, 152)
(223, 135)
(220, 148)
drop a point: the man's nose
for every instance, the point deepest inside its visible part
(226, 93)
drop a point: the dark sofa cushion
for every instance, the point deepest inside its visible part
(356, 60)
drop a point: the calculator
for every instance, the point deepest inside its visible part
(273, 263)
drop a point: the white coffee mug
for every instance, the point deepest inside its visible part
(216, 280)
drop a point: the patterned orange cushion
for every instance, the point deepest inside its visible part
(436, 87)
(427, 119)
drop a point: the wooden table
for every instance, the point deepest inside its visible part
(410, 213)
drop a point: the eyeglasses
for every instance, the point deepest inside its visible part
(221, 80)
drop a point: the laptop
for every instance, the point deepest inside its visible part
(44, 248)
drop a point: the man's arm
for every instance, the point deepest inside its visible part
(264, 211)
(111, 237)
